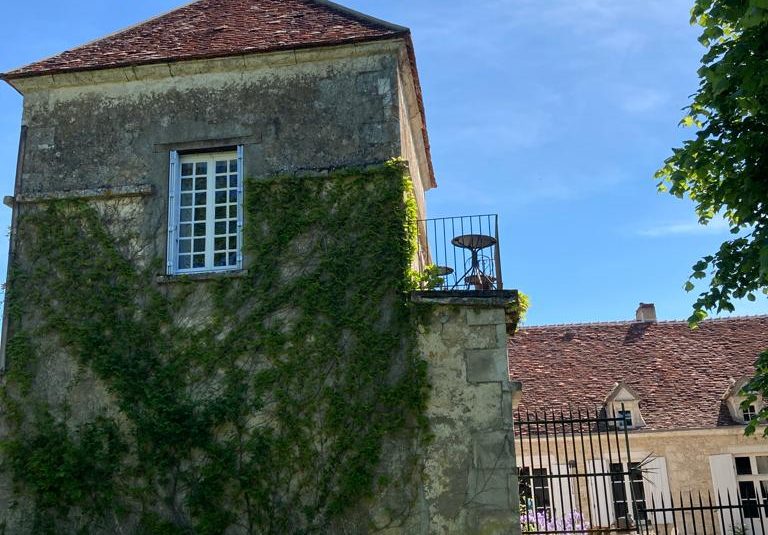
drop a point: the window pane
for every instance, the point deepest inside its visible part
(764, 490)
(743, 466)
(204, 245)
(762, 464)
(524, 484)
(748, 499)
(540, 484)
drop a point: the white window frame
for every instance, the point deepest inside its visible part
(757, 479)
(532, 504)
(174, 210)
(629, 494)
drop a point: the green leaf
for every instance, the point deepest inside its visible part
(688, 286)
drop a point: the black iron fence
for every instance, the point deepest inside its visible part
(706, 515)
(460, 253)
(576, 473)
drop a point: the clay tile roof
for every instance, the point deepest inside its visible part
(679, 374)
(220, 28)
(217, 28)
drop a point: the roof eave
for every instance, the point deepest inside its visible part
(20, 73)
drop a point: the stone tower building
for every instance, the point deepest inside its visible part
(210, 326)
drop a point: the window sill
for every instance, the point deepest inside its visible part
(195, 277)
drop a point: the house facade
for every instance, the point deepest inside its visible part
(674, 390)
(208, 326)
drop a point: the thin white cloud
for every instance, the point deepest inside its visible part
(716, 226)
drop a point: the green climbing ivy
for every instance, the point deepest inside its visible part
(262, 402)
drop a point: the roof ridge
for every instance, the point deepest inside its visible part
(635, 322)
(360, 15)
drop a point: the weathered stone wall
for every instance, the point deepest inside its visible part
(292, 113)
(468, 484)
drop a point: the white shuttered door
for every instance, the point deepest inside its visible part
(563, 493)
(724, 482)
(600, 495)
(656, 486)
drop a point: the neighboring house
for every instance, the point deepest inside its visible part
(676, 390)
(207, 326)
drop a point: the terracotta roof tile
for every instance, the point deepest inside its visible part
(217, 28)
(679, 374)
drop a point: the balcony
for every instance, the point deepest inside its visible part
(460, 253)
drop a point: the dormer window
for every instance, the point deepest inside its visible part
(734, 398)
(622, 407)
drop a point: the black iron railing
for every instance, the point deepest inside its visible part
(460, 253)
(575, 473)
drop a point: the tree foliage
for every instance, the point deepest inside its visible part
(724, 168)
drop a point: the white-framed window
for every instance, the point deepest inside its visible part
(749, 413)
(205, 212)
(535, 494)
(614, 485)
(626, 486)
(752, 480)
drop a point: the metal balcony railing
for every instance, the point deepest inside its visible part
(460, 253)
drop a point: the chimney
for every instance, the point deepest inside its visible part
(646, 312)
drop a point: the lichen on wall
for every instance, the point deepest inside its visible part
(287, 399)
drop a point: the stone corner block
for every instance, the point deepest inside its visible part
(486, 316)
(486, 365)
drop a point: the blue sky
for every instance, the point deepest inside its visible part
(552, 113)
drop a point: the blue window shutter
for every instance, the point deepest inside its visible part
(173, 223)
(240, 179)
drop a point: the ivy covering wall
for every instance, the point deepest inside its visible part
(265, 403)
